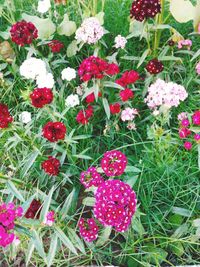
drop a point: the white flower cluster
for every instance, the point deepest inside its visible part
(43, 6)
(120, 42)
(68, 74)
(72, 101)
(166, 94)
(35, 69)
(25, 117)
(90, 31)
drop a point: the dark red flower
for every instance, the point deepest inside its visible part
(55, 46)
(91, 97)
(23, 33)
(128, 77)
(54, 131)
(41, 97)
(171, 43)
(154, 66)
(115, 108)
(5, 117)
(84, 115)
(51, 166)
(113, 69)
(126, 94)
(144, 9)
(34, 210)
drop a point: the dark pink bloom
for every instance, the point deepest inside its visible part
(196, 118)
(115, 108)
(185, 123)
(188, 145)
(197, 137)
(88, 230)
(91, 178)
(184, 132)
(126, 94)
(128, 77)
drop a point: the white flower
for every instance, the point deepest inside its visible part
(32, 67)
(43, 6)
(45, 80)
(25, 117)
(120, 42)
(72, 101)
(90, 31)
(68, 74)
(128, 114)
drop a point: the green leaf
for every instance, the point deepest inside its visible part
(67, 27)
(52, 250)
(38, 244)
(106, 107)
(14, 191)
(61, 235)
(69, 203)
(197, 54)
(177, 248)
(113, 85)
(104, 237)
(29, 251)
(143, 57)
(27, 203)
(89, 201)
(46, 204)
(132, 169)
(76, 240)
(182, 211)
(72, 49)
(45, 27)
(180, 231)
(199, 156)
(29, 162)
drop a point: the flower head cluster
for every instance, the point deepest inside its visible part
(115, 108)
(25, 117)
(23, 33)
(55, 46)
(154, 66)
(8, 214)
(128, 77)
(184, 130)
(167, 94)
(144, 9)
(91, 178)
(54, 131)
(115, 204)
(88, 229)
(83, 116)
(34, 209)
(129, 114)
(185, 43)
(51, 166)
(68, 74)
(120, 42)
(5, 117)
(198, 68)
(95, 67)
(90, 31)
(72, 101)
(114, 163)
(43, 6)
(126, 94)
(91, 97)
(50, 218)
(41, 97)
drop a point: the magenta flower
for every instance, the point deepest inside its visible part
(88, 230)
(115, 204)
(50, 218)
(91, 178)
(188, 145)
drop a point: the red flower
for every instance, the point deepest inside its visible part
(184, 132)
(112, 69)
(126, 94)
(55, 46)
(41, 97)
(154, 66)
(91, 177)
(23, 32)
(84, 115)
(196, 118)
(54, 131)
(91, 97)
(144, 9)
(5, 117)
(51, 166)
(128, 77)
(113, 163)
(88, 230)
(115, 108)
(34, 210)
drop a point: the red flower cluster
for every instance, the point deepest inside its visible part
(115, 108)
(114, 163)
(51, 166)
(144, 9)
(41, 97)
(95, 67)
(34, 209)
(196, 118)
(54, 131)
(91, 98)
(91, 178)
(115, 204)
(154, 66)
(126, 94)
(55, 46)
(23, 33)
(5, 117)
(88, 230)
(128, 77)
(84, 115)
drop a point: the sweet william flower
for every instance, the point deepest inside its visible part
(50, 218)
(41, 97)
(182, 116)
(154, 66)
(196, 118)
(114, 163)
(144, 9)
(128, 114)
(54, 131)
(45, 80)
(185, 43)
(5, 117)
(184, 132)
(91, 97)
(120, 42)
(91, 178)
(128, 77)
(72, 101)
(126, 94)
(88, 229)
(68, 74)
(198, 68)
(43, 6)
(197, 137)
(185, 123)
(188, 145)
(34, 209)
(115, 108)
(25, 117)
(32, 67)
(83, 116)
(23, 33)
(51, 166)
(55, 46)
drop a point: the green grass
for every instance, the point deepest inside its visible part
(165, 178)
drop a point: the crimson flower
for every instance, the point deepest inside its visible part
(51, 166)
(41, 97)
(54, 131)
(5, 117)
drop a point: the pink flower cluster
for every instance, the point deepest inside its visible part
(50, 218)
(88, 230)
(8, 214)
(185, 132)
(198, 68)
(165, 93)
(115, 204)
(91, 178)
(185, 43)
